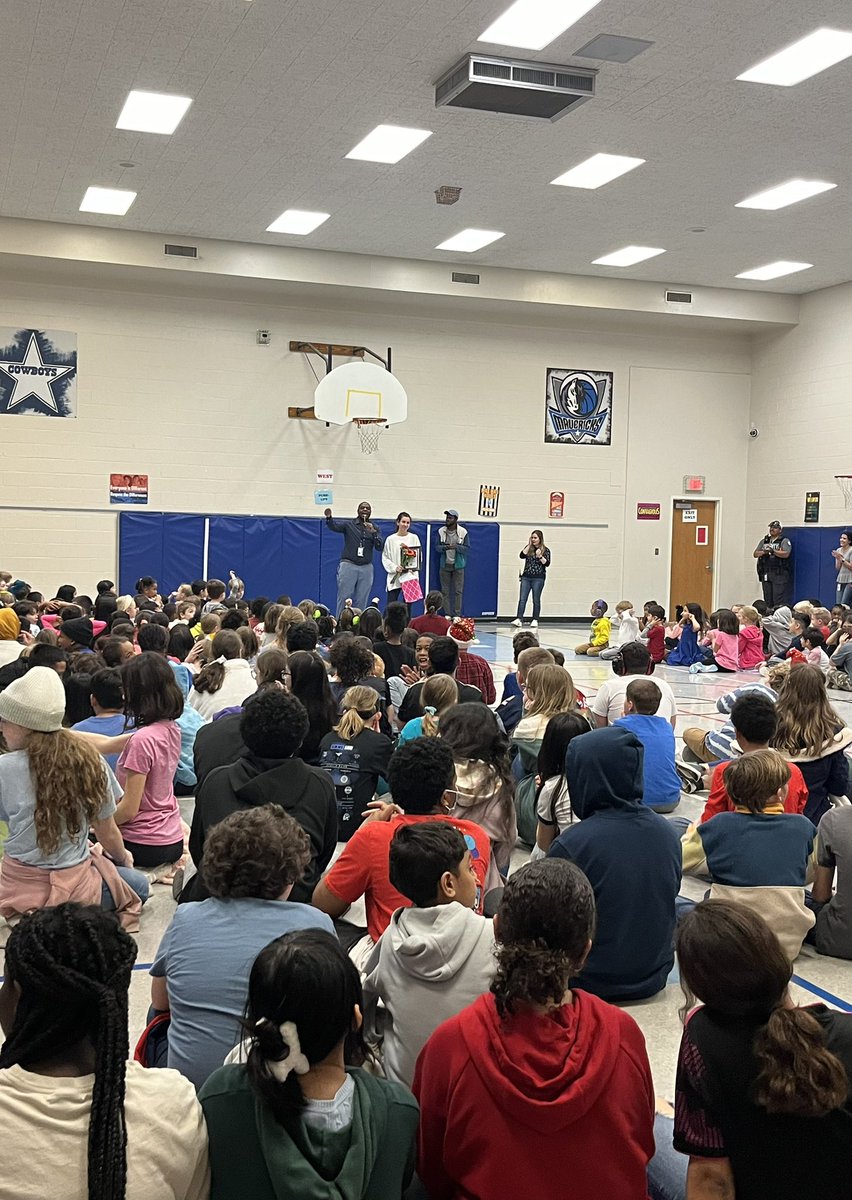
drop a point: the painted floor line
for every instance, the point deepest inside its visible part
(844, 1005)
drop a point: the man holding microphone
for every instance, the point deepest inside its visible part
(355, 570)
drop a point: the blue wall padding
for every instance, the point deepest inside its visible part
(481, 572)
(140, 549)
(814, 574)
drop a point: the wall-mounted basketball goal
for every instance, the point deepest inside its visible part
(364, 394)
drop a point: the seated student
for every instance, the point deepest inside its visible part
(272, 726)
(813, 648)
(10, 632)
(440, 694)
(226, 681)
(718, 745)
(599, 632)
(631, 857)
(548, 690)
(537, 1089)
(434, 958)
(301, 1119)
(155, 638)
(355, 757)
(524, 639)
(750, 639)
(391, 651)
(72, 1107)
(833, 931)
(353, 663)
(758, 854)
(811, 734)
(76, 635)
(54, 787)
(654, 634)
(799, 622)
(200, 973)
(443, 655)
(684, 649)
(624, 628)
(472, 669)
(421, 777)
(552, 802)
(511, 710)
(841, 656)
(633, 659)
(722, 642)
(661, 780)
(107, 701)
(762, 1101)
(308, 679)
(432, 621)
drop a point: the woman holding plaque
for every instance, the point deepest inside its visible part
(401, 559)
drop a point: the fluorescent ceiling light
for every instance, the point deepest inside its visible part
(389, 143)
(296, 220)
(471, 239)
(790, 192)
(628, 256)
(598, 170)
(113, 201)
(810, 55)
(153, 112)
(775, 270)
(533, 24)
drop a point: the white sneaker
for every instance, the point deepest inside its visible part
(533, 624)
(517, 622)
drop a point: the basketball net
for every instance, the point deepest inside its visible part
(844, 482)
(369, 432)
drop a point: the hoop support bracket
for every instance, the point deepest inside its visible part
(328, 351)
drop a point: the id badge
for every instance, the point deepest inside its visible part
(360, 551)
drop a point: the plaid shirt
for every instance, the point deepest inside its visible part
(475, 670)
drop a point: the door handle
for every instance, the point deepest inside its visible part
(709, 567)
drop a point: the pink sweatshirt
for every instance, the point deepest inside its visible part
(725, 647)
(751, 647)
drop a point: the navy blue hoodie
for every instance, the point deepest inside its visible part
(632, 858)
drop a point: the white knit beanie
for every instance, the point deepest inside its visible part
(35, 700)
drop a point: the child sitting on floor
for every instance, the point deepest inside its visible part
(686, 649)
(813, 644)
(625, 627)
(662, 782)
(723, 640)
(434, 958)
(750, 639)
(599, 633)
(654, 634)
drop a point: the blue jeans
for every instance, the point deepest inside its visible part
(844, 593)
(134, 879)
(531, 585)
(354, 582)
(667, 1169)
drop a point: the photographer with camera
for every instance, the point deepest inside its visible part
(774, 569)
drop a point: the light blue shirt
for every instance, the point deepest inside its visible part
(106, 726)
(206, 956)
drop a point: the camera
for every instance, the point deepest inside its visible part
(753, 432)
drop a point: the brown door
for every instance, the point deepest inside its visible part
(693, 550)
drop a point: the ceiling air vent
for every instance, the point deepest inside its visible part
(464, 277)
(514, 87)
(180, 251)
(679, 297)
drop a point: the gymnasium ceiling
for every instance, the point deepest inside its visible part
(282, 89)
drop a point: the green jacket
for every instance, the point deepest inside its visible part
(525, 789)
(253, 1158)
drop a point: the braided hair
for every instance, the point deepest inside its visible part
(72, 965)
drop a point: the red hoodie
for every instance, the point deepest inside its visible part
(508, 1106)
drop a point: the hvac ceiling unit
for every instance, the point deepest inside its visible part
(514, 87)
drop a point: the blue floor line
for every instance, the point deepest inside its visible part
(822, 993)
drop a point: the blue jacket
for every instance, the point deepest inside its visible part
(462, 549)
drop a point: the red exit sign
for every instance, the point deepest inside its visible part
(693, 483)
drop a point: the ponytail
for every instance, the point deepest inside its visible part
(359, 705)
(226, 645)
(434, 600)
(440, 692)
(530, 972)
(799, 1076)
(210, 678)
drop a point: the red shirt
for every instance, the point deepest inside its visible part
(362, 869)
(475, 670)
(430, 623)
(719, 800)
(656, 636)
(545, 1106)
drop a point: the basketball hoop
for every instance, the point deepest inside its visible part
(844, 482)
(369, 432)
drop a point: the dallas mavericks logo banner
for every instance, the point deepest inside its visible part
(38, 373)
(578, 407)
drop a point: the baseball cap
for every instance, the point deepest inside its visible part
(775, 525)
(451, 512)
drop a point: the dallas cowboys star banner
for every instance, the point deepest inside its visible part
(38, 373)
(578, 407)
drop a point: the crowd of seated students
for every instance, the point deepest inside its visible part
(334, 1059)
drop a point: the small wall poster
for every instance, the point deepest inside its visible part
(578, 407)
(557, 506)
(689, 516)
(324, 496)
(811, 508)
(489, 499)
(647, 512)
(128, 489)
(325, 478)
(38, 373)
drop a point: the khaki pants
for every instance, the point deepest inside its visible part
(695, 739)
(589, 649)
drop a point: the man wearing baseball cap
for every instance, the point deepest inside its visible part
(774, 569)
(452, 543)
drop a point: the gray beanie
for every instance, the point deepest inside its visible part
(35, 700)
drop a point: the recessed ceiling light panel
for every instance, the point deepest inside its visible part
(113, 201)
(471, 239)
(775, 270)
(628, 256)
(533, 24)
(153, 112)
(389, 143)
(790, 192)
(598, 170)
(810, 55)
(296, 220)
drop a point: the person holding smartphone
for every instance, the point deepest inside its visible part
(536, 559)
(355, 570)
